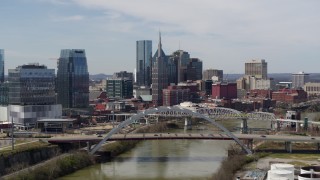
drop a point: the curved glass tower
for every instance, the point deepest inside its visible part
(73, 79)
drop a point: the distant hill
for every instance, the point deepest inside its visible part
(98, 77)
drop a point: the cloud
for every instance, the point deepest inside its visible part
(218, 31)
(67, 18)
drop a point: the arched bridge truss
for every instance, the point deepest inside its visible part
(179, 111)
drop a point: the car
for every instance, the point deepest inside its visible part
(312, 138)
(99, 135)
(263, 136)
(156, 135)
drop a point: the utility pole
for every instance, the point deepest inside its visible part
(12, 131)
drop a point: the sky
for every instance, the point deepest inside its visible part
(224, 34)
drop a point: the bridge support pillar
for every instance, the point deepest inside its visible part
(88, 146)
(250, 144)
(278, 126)
(288, 146)
(187, 124)
(244, 126)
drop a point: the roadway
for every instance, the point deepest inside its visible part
(173, 136)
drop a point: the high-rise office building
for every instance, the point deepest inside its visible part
(181, 58)
(299, 79)
(257, 68)
(31, 94)
(143, 62)
(4, 93)
(194, 69)
(73, 79)
(209, 73)
(159, 74)
(31, 84)
(1, 65)
(119, 88)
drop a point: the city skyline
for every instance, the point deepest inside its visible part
(223, 35)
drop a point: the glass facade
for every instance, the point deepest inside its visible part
(1, 65)
(194, 69)
(31, 84)
(4, 90)
(143, 62)
(119, 88)
(73, 79)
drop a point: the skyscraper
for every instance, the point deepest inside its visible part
(143, 62)
(73, 79)
(194, 69)
(182, 59)
(159, 74)
(257, 68)
(1, 65)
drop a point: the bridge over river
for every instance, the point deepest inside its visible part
(93, 139)
(207, 114)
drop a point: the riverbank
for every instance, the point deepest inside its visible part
(69, 163)
(268, 153)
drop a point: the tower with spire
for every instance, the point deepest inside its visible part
(159, 74)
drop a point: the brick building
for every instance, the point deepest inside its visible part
(224, 90)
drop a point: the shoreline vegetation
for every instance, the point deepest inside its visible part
(237, 162)
(76, 160)
(234, 162)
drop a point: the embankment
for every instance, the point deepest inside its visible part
(70, 163)
(11, 161)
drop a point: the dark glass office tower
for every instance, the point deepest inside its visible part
(1, 65)
(143, 62)
(73, 79)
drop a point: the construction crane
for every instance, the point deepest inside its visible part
(55, 59)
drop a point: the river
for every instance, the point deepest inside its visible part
(160, 159)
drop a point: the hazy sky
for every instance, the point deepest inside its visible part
(224, 34)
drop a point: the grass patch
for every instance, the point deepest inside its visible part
(268, 145)
(57, 168)
(24, 147)
(234, 162)
(306, 157)
(298, 163)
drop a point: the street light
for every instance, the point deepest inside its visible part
(112, 119)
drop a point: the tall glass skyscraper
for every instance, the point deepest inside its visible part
(144, 62)
(73, 79)
(1, 65)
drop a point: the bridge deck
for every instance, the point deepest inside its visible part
(173, 136)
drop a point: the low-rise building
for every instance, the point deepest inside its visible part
(312, 88)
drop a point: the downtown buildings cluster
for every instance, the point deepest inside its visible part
(33, 92)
